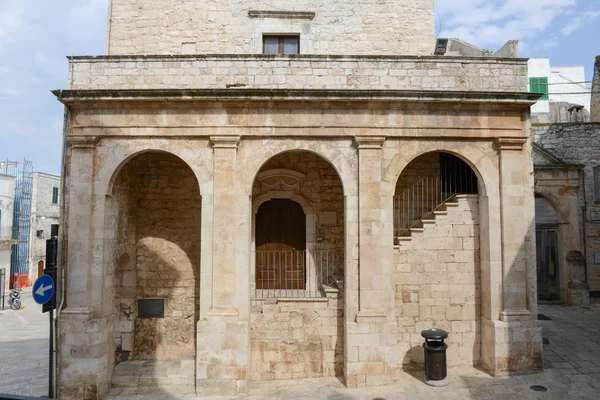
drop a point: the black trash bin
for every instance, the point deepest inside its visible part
(435, 356)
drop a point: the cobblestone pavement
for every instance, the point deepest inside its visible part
(572, 371)
(24, 349)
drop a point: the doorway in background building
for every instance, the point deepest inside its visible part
(546, 228)
(280, 245)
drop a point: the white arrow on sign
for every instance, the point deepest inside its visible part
(42, 289)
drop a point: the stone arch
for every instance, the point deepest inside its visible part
(120, 154)
(552, 198)
(486, 171)
(151, 250)
(329, 153)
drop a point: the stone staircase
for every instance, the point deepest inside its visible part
(428, 220)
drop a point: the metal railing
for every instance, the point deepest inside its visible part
(426, 196)
(9, 233)
(296, 273)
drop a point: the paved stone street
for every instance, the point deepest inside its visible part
(572, 362)
(24, 349)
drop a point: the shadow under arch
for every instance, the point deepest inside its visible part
(152, 252)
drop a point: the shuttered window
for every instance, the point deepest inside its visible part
(539, 85)
(54, 195)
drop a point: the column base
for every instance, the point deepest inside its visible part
(371, 352)
(511, 347)
(222, 355)
(578, 294)
(85, 358)
(442, 383)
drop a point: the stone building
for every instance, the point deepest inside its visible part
(566, 161)
(44, 213)
(233, 216)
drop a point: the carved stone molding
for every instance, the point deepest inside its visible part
(369, 142)
(225, 142)
(82, 142)
(511, 143)
(281, 14)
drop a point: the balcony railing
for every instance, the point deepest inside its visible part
(9, 233)
(296, 274)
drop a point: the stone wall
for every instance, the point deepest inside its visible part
(438, 285)
(299, 72)
(298, 339)
(566, 142)
(324, 26)
(161, 210)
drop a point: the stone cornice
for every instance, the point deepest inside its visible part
(82, 142)
(511, 143)
(281, 14)
(225, 142)
(514, 99)
(369, 142)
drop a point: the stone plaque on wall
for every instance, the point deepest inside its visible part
(597, 257)
(595, 215)
(328, 218)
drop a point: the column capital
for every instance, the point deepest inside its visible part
(369, 142)
(511, 143)
(82, 142)
(225, 142)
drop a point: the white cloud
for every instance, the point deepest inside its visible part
(491, 23)
(576, 23)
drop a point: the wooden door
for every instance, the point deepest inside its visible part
(280, 245)
(40, 268)
(547, 263)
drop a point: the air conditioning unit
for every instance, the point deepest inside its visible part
(441, 47)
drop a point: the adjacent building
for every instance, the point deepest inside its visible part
(45, 213)
(567, 188)
(7, 233)
(263, 191)
(566, 94)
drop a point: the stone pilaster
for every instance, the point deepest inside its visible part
(223, 337)
(372, 354)
(516, 336)
(84, 371)
(578, 290)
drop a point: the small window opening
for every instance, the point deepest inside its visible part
(281, 44)
(54, 195)
(39, 234)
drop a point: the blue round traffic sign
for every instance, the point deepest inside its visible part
(43, 289)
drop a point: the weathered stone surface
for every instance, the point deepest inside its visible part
(336, 27)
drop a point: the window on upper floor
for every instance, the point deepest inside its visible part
(597, 183)
(39, 234)
(281, 44)
(539, 85)
(54, 195)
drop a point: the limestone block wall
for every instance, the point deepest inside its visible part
(565, 141)
(438, 285)
(299, 72)
(159, 257)
(426, 165)
(225, 26)
(298, 339)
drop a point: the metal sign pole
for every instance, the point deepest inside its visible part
(51, 357)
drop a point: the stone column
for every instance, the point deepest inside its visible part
(223, 337)
(372, 354)
(83, 333)
(517, 342)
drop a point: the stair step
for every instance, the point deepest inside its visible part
(404, 239)
(417, 229)
(441, 212)
(428, 221)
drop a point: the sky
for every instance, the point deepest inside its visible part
(37, 35)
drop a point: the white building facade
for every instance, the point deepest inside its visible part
(560, 85)
(44, 213)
